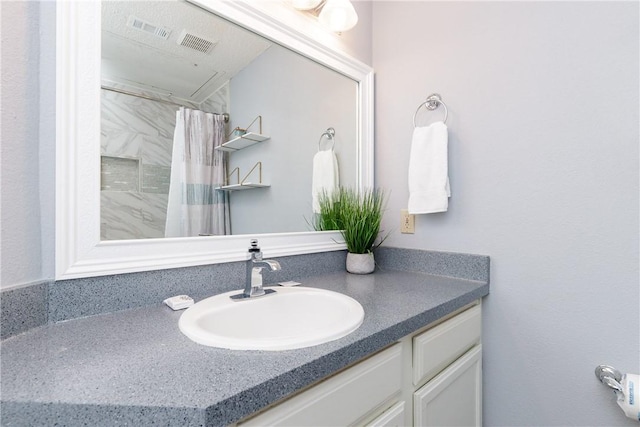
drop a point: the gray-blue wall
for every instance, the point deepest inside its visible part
(543, 102)
(28, 142)
(543, 126)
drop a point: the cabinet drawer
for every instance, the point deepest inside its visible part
(438, 347)
(342, 399)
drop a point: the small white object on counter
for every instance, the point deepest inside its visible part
(179, 302)
(289, 283)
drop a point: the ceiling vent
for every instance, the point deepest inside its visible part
(198, 43)
(142, 25)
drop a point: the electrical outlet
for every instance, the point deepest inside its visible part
(407, 222)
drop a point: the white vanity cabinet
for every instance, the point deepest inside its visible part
(430, 378)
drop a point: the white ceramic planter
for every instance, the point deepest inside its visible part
(360, 263)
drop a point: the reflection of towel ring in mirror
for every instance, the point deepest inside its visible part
(330, 133)
(431, 104)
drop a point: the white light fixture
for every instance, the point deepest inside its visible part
(305, 4)
(338, 15)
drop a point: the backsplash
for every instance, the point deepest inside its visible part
(38, 304)
(23, 308)
(450, 264)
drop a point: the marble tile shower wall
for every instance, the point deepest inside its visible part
(136, 144)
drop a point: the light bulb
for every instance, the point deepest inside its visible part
(338, 15)
(305, 4)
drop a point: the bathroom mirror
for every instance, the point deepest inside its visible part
(160, 55)
(79, 249)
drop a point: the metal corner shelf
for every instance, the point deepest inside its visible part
(244, 186)
(242, 141)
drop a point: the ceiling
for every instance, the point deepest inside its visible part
(140, 48)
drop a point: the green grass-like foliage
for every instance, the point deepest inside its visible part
(356, 214)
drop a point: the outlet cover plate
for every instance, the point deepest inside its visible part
(407, 222)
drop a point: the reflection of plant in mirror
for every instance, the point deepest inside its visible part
(356, 214)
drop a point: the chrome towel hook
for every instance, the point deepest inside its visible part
(330, 133)
(431, 104)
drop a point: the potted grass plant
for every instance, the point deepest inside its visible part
(357, 215)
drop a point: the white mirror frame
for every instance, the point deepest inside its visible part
(79, 251)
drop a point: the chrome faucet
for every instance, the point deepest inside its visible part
(255, 264)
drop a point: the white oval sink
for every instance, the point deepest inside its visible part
(291, 318)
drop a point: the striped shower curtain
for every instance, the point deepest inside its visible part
(195, 207)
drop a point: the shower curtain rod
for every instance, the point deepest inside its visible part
(150, 98)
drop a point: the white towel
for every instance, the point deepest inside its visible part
(325, 176)
(428, 170)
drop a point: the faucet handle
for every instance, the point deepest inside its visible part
(254, 251)
(254, 246)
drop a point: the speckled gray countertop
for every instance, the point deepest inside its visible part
(134, 367)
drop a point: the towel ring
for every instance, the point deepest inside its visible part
(330, 133)
(431, 104)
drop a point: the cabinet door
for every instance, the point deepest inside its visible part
(453, 397)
